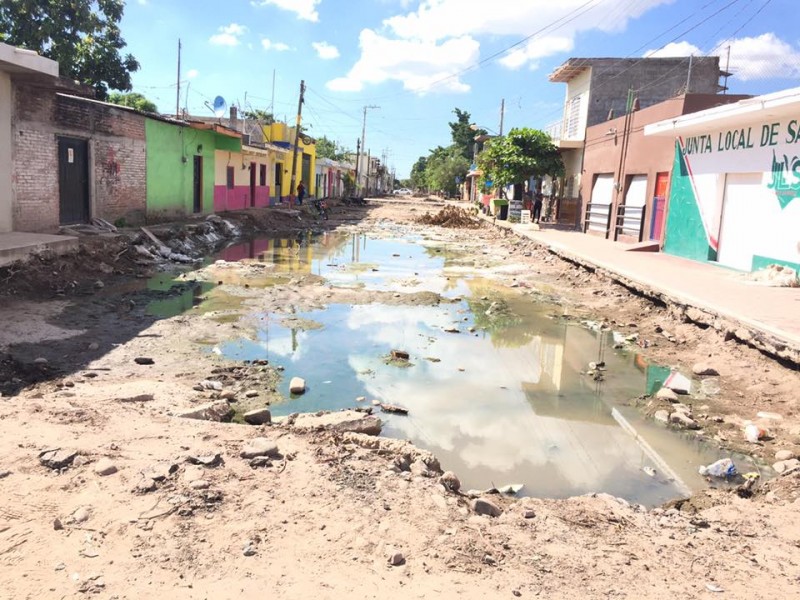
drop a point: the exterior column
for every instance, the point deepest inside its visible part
(6, 193)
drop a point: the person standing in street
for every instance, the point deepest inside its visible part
(301, 192)
(537, 207)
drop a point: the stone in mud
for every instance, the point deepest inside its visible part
(160, 471)
(251, 393)
(341, 421)
(785, 465)
(782, 455)
(57, 458)
(215, 411)
(40, 361)
(80, 516)
(667, 394)
(400, 355)
(683, 420)
(418, 467)
(704, 370)
(228, 395)
(662, 416)
(259, 462)
(144, 360)
(199, 484)
(260, 416)
(105, 467)
(212, 459)
(396, 559)
(259, 447)
(484, 506)
(297, 385)
(450, 481)
(94, 346)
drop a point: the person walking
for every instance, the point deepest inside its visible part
(301, 192)
(537, 207)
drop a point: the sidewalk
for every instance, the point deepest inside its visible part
(765, 317)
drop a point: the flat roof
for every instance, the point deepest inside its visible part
(785, 103)
(20, 60)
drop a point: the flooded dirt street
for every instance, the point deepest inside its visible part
(516, 369)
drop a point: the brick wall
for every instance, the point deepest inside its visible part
(116, 162)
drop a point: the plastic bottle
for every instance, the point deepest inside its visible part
(722, 468)
(753, 433)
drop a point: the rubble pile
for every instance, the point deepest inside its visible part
(450, 216)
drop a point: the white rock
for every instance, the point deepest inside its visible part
(297, 385)
(683, 420)
(784, 465)
(259, 447)
(81, 515)
(704, 370)
(260, 416)
(484, 506)
(667, 394)
(782, 455)
(104, 467)
(450, 481)
(216, 411)
(661, 415)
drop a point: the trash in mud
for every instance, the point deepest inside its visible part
(394, 408)
(450, 216)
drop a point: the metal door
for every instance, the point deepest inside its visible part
(73, 180)
(278, 181)
(198, 185)
(659, 206)
(252, 184)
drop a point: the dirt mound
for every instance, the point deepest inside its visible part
(450, 216)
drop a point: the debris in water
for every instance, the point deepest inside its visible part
(393, 408)
(650, 471)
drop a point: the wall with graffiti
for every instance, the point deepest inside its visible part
(734, 196)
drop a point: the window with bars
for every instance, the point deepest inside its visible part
(573, 116)
(262, 175)
(229, 174)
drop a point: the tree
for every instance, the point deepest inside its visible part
(418, 173)
(463, 135)
(522, 154)
(330, 149)
(133, 100)
(259, 114)
(445, 168)
(82, 35)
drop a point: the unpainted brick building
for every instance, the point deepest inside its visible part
(74, 159)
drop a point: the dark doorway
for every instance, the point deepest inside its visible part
(198, 184)
(278, 181)
(73, 180)
(252, 184)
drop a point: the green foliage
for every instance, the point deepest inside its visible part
(444, 165)
(259, 114)
(330, 149)
(522, 154)
(133, 100)
(82, 35)
(462, 134)
(418, 174)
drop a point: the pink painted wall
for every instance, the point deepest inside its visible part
(238, 197)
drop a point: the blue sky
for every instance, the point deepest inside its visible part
(418, 59)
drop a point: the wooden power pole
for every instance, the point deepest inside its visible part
(293, 189)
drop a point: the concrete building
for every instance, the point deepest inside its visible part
(625, 174)
(734, 195)
(602, 88)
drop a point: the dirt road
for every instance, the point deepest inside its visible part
(108, 493)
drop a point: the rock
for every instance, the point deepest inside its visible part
(771, 416)
(57, 458)
(297, 385)
(678, 383)
(160, 471)
(94, 346)
(229, 395)
(249, 549)
(341, 421)
(418, 467)
(138, 398)
(199, 484)
(81, 515)
(395, 559)
(785, 465)
(683, 420)
(145, 485)
(528, 513)
(394, 408)
(782, 455)
(4, 473)
(484, 506)
(260, 416)
(144, 360)
(215, 411)
(251, 393)
(400, 355)
(99, 285)
(259, 446)
(80, 461)
(211, 459)
(57, 524)
(210, 384)
(704, 370)
(450, 481)
(661, 415)
(667, 394)
(685, 409)
(40, 361)
(376, 403)
(105, 467)
(259, 462)
(361, 399)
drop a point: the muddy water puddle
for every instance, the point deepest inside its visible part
(495, 384)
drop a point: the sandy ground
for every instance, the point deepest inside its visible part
(330, 509)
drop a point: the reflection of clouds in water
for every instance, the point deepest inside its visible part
(281, 343)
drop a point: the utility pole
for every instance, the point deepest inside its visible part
(502, 115)
(358, 153)
(272, 101)
(292, 189)
(363, 139)
(178, 94)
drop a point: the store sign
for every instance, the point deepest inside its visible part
(757, 141)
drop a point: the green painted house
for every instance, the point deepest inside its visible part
(180, 166)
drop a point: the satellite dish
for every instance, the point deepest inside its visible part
(220, 107)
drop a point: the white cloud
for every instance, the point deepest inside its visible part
(417, 64)
(675, 49)
(533, 50)
(192, 73)
(325, 50)
(304, 9)
(268, 44)
(142, 2)
(761, 57)
(229, 35)
(437, 29)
